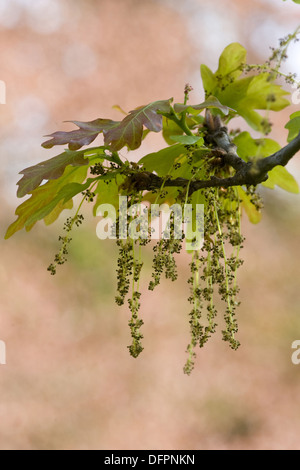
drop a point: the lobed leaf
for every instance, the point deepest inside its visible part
(208, 79)
(162, 162)
(53, 216)
(244, 95)
(253, 214)
(293, 126)
(249, 94)
(230, 68)
(231, 61)
(54, 168)
(108, 192)
(87, 133)
(130, 131)
(249, 149)
(47, 197)
(281, 177)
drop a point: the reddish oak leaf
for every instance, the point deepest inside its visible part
(54, 168)
(87, 133)
(130, 131)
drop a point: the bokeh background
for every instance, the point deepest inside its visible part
(69, 382)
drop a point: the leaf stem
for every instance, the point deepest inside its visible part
(181, 122)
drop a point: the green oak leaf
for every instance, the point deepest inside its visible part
(130, 131)
(162, 162)
(281, 177)
(293, 126)
(108, 192)
(170, 128)
(230, 68)
(244, 95)
(65, 194)
(46, 198)
(53, 216)
(231, 61)
(187, 139)
(253, 93)
(208, 79)
(251, 149)
(168, 196)
(253, 214)
(185, 170)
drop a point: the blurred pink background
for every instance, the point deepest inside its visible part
(69, 382)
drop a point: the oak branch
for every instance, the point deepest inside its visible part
(247, 173)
